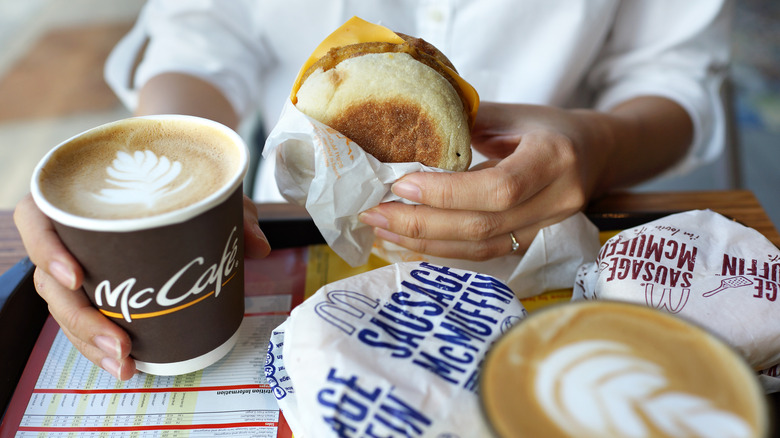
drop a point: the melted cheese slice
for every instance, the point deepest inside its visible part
(357, 30)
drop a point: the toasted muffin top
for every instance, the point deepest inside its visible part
(397, 107)
(417, 48)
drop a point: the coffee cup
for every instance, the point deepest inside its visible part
(152, 209)
(611, 369)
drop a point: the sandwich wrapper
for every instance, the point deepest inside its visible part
(335, 180)
(392, 352)
(703, 267)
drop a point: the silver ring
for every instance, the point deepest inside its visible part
(515, 245)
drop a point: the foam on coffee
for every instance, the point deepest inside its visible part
(612, 369)
(138, 168)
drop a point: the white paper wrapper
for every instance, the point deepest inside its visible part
(550, 263)
(333, 178)
(336, 180)
(704, 267)
(392, 352)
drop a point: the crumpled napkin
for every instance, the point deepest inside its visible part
(701, 266)
(335, 180)
(392, 352)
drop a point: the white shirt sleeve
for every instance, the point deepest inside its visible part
(214, 41)
(674, 49)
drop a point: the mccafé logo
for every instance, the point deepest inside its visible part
(129, 301)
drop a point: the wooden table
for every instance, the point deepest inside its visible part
(740, 205)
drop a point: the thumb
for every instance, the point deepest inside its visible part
(255, 243)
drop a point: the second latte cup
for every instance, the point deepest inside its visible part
(612, 369)
(152, 209)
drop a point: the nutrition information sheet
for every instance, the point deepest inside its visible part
(73, 397)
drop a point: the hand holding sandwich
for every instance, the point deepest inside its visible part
(544, 164)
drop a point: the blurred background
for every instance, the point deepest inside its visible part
(51, 87)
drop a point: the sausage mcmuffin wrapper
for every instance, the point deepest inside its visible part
(703, 267)
(392, 352)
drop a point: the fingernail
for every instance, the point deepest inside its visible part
(407, 190)
(387, 235)
(111, 365)
(63, 275)
(373, 219)
(108, 345)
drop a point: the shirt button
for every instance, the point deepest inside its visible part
(435, 15)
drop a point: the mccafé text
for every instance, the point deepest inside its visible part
(171, 296)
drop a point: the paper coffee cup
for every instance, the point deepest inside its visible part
(152, 209)
(609, 369)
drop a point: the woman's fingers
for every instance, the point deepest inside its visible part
(424, 222)
(58, 277)
(122, 368)
(255, 243)
(490, 189)
(101, 341)
(470, 214)
(481, 204)
(479, 250)
(44, 246)
(539, 160)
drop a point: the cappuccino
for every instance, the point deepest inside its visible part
(152, 208)
(608, 369)
(138, 168)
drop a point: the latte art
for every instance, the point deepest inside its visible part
(607, 369)
(141, 178)
(139, 168)
(604, 388)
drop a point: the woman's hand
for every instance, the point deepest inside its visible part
(58, 280)
(545, 164)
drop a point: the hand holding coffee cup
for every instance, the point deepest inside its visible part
(610, 369)
(152, 209)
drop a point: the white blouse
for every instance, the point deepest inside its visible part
(567, 53)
